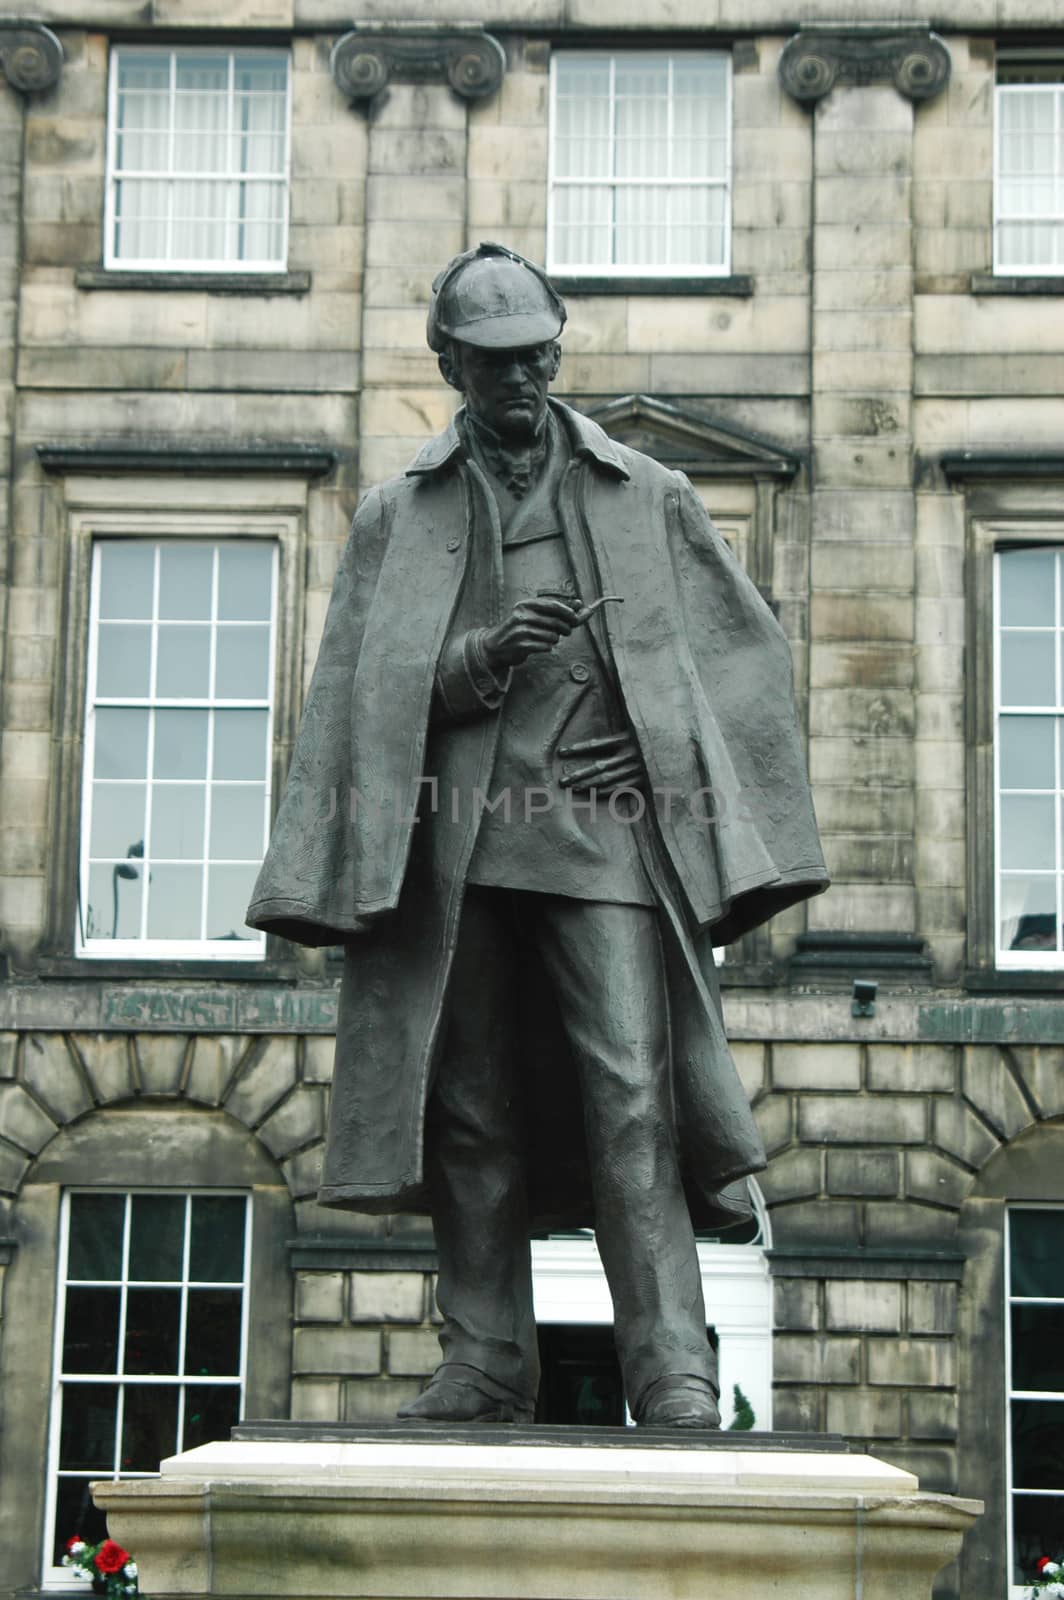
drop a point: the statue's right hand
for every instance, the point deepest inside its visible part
(533, 627)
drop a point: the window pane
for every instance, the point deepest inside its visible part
(177, 821)
(228, 895)
(149, 1430)
(120, 742)
(1028, 912)
(216, 1253)
(1028, 832)
(1037, 1340)
(212, 1345)
(582, 232)
(238, 822)
(240, 744)
(144, 70)
(157, 1237)
(96, 1223)
(141, 212)
(242, 670)
(1038, 1530)
(175, 902)
(185, 582)
(1027, 755)
(114, 903)
(1038, 1444)
(1027, 668)
(211, 1410)
(126, 579)
(153, 1327)
(117, 819)
(245, 581)
(75, 1513)
(87, 1428)
(180, 744)
(90, 1331)
(1036, 1239)
(1028, 579)
(123, 660)
(184, 663)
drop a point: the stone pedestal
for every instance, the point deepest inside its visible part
(531, 1514)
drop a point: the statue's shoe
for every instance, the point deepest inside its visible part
(452, 1400)
(679, 1400)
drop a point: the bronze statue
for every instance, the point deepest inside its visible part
(548, 760)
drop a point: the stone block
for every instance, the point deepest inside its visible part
(933, 1415)
(13, 1168)
(870, 1119)
(387, 1297)
(315, 1400)
(816, 1066)
(775, 1122)
(793, 1175)
(160, 1062)
(319, 1051)
(875, 108)
(508, 153)
(1041, 1069)
(377, 1399)
(798, 1410)
(862, 1172)
(855, 246)
(860, 760)
(296, 1123)
(882, 195)
(302, 1171)
(957, 1130)
(796, 1304)
(816, 1223)
(935, 1178)
(988, 1083)
(815, 1358)
(912, 1068)
(911, 1363)
(892, 1225)
(932, 1307)
(771, 203)
(863, 1305)
(214, 1060)
(319, 1296)
(51, 1072)
(22, 1121)
(936, 1469)
(864, 1413)
(336, 1350)
(266, 1075)
(106, 1060)
(860, 857)
(413, 1352)
(858, 567)
(9, 1053)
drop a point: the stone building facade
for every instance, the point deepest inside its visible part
(862, 375)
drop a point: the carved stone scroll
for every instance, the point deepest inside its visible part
(365, 61)
(915, 60)
(30, 55)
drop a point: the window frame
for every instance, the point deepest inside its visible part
(54, 1576)
(1020, 1591)
(1015, 270)
(114, 262)
(253, 948)
(161, 506)
(650, 273)
(1000, 513)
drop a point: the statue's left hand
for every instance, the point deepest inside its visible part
(607, 764)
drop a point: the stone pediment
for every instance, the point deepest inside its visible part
(690, 442)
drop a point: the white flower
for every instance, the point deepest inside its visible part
(77, 1547)
(1050, 1568)
(131, 1569)
(1056, 1588)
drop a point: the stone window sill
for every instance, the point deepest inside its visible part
(988, 283)
(981, 980)
(236, 283)
(92, 969)
(739, 286)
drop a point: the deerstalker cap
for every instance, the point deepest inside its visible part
(494, 298)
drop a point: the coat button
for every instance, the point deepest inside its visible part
(453, 545)
(579, 672)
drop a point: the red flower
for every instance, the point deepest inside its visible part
(110, 1557)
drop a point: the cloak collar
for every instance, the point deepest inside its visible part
(587, 438)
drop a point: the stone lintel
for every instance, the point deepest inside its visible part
(964, 466)
(369, 57)
(827, 1261)
(30, 55)
(168, 455)
(906, 54)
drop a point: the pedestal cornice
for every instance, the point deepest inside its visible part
(366, 59)
(821, 55)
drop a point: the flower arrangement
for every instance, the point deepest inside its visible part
(112, 1569)
(1050, 1579)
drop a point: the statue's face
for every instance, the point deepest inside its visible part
(506, 389)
